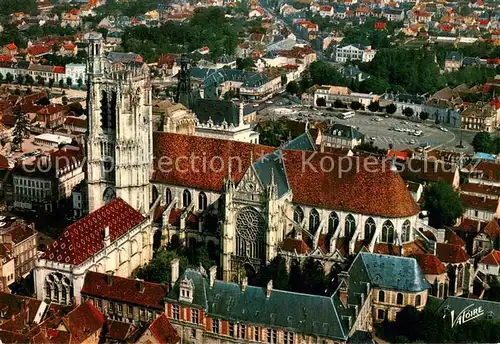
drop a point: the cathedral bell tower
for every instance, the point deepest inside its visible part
(119, 134)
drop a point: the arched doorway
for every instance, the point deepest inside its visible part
(250, 274)
(157, 240)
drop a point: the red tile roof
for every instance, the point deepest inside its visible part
(375, 190)
(468, 225)
(493, 258)
(83, 322)
(449, 253)
(452, 238)
(177, 147)
(380, 25)
(480, 189)
(58, 69)
(294, 245)
(430, 264)
(11, 46)
(119, 331)
(38, 50)
(84, 238)
(492, 229)
(175, 217)
(417, 170)
(476, 202)
(490, 170)
(124, 290)
(4, 58)
(163, 331)
(75, 121)
(4, 163)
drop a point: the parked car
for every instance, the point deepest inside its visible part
(443, 129)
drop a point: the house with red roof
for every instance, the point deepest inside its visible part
(487, 238)
(480, 208)
(160, 331)
(458, 267)
(435, 273)
(10, 50)
(114, 238)
(490, 264)
(68, 50)
(380, 26)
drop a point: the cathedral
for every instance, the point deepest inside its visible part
(247, 202)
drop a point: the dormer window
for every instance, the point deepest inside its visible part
(186, 290)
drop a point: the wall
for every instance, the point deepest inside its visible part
(390, 306)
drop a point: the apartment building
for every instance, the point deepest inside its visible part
(346, 52)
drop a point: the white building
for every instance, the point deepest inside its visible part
(76, 71)
(348, 52)
(52, 140)
(490, 264)
(114, 239)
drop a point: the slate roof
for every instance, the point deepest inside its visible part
(217, 110)
(458, 304)
(271, 167)
(303, 142)
(124, 57)
(124, 290)
(308, 314)
(345, 131)
(218, 76)
(389, 272)
(85, 237)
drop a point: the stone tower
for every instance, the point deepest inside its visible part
(119, 136)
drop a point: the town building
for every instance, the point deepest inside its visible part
(123, 299)
(375, 287)
(115, 238)
(342, 136)
(480, 117)
(346, 52)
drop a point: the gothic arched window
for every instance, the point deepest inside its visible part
(168, 196)
(202, 201)
(186, 198)
(333, 222)
(349, 226)
(388, 232)
(250, 227)
(369, 228)
(298, 214)
(313, 221)
(406, 231)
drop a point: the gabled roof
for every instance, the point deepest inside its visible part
(305, 313)
(218, 111)
(345, 131)
(430, 264)
(83, 321)
(294, 245)
(493, 258)
(124, 290)
(85, 237)
(271, 167)
(481, 203)
(425, 170)
(163, 331)
(118, 331)
(303, 142)
(492, 229)
(450, 253)
(390, 272)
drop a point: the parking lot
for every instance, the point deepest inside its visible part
(379, 130)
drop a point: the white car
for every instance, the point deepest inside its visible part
(255, 105)
(269, 102)
(443, 129)
(412, 142)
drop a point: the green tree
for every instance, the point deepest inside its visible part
(482, 142)
(355, 105)
(40, 80)
(20, 131)
(322, 73)
(338, 104)
(408, 112)
(80, 83)
(296, 281)
(1, 77)
(29, 80)
(314, 280)
(9, 78)
(51, 82)
(292, 87)
(275, 271)
(229, 95)
(284, 80)
(391, 108)
(69, 81)
(374, 106)
(20, 79)
(424, 115)
(274, 133)
(443, 204)
(43, 102)
(158, 269)
(321, 101)
(64, 100)
(495, 146)
(245, 64)
(61, 83)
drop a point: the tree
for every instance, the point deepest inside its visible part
(1, 77)
(64, 100)
(61, 83)
(437, 121)
(321, 101)
(69, 81)
(245, 64)
(482, 142)
(391, 108)
(495, 146)
(292, 87)
(408, 112)
(80, 83)
(20, 129)
(295, 282)
(355, 105)
(51, 82)
(284, 79)
(9, 78)
(20, 79)
(29, 80)
(40, 80)
(229, 95)
(43, 102)
(443, 204)
(338, 104)
(275, 271)
(313, 274)
(158, 270)
(374, 106)
(273, 133)
(424, 115)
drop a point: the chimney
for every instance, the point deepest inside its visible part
(269, 288)
(212, 274)
(240, 114)
(344, 288)
(140, 286)
(244, 284)
(107, 238)
(109, 278)
(174, 274)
